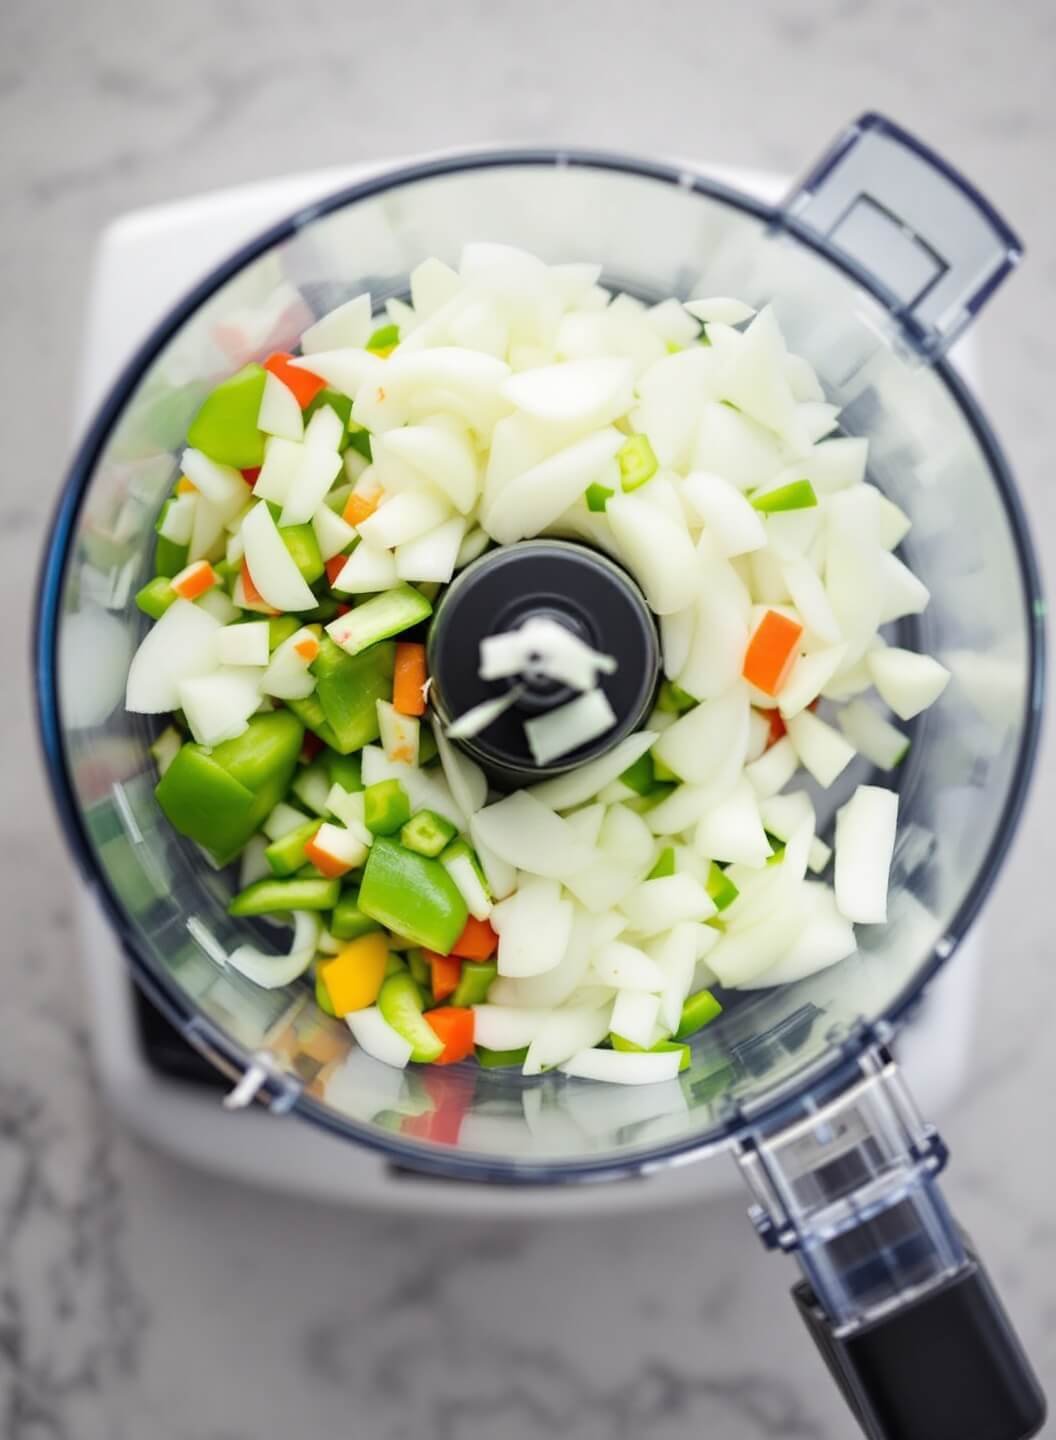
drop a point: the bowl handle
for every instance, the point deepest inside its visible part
(907, 225)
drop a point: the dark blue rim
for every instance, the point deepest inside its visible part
(160, 988)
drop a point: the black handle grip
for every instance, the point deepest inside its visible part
(947, 1366)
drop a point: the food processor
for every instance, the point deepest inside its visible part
(874, 264)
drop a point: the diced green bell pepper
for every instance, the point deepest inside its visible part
(384, 338)
(427, 746)
(225, 427)
(500, 1059)
(286, 855)
(427, 833)
(386, 807)
(720, 887)
(798, 495)
(413, 895)
(665, 864)
(310, 713)
(673, 700)
(419, 968)
(598, 496)
(280, 628)
(304, 551)
(699, 1010)
(474, 982)
(637, 462)
(344, 770)
(348, 921)
(663, 774)
(348, 688)
(275, 897)
(322, 996)
(359, 440)
(311, 785)
(662, 1047)
(640, 777)
(169, 558)
(381, 617)
(400, 1002)
(156, 596)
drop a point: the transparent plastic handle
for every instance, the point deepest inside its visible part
(922, 238)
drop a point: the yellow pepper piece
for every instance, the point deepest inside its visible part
(353, 977)
(185, 486)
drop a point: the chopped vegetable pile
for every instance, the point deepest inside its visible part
(583, 922)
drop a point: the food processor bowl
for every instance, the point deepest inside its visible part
(873, 265)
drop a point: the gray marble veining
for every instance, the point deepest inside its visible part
(140, 1299)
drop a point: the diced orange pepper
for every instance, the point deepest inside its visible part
(252, 594)
(304, 385)
(772, 652)
(308, 648)
(478, 941)
(454, 1025)
(334, 566)
(353, 977)
(185, 486)
(332, 866)
(195, 580)
(408, 680)
(447, 972)
(777, 727)
(359, 508)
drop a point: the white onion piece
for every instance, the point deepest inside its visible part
(404, 517)
(744, 954)
(530, 501)
(218, 706)
(399, 734)
(553, 987)
(626, 967)
(687, 803)
(243, 644)
(331, 532)
(818, 418)
(473, 546)
(507, 1027)
(564, 729)
(253, 864)
(634, 1017)
(801, 378)
(578, 394)
(433, 284)
(587, 824)
(758, 735)
(178, 524)
(432, 556)
(733, 831)
(582, 784)
(676, 954)
(467, 780)
(274, 571)
(348, 806)
(279, 413)
(564, 1035)
(908, 681)
(826, 939)
(442, 454)
(346, 326)
(734, 446)
(735, 523)
(657, 550)
(288, 676)
(500, 874)
(618, 1067)
(367, 571)
(810, 674)
(464, 383)
(676, 637)
(346, 369)
(282, 459)
(810, 598)
(223, 486)
(904, 594)
(272, 972)
(881, 743)
(178, 647)
(823, 751)
(469, 885)
(478, 325)
(720, 635)
(696, 746)
(376, 1038)
(893, 524)
(720, 307)
(784, 814)
(773, 770)
(865, 843)
(530, 836)
(658, 904)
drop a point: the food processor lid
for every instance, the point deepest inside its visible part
(795, 217)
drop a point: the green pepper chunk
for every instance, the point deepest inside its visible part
(280, 628)
(277, 897)
(427, 833)
(641, 776)
(720, 887)
(665, 865)
(155, 597)
(662, 1047)
(359, 440)
(419, 968)
(699, 1010)
(500, 1059)
(348, 921)
(225, 427)
(304, 551)
(386, 807)
(798, 495)
(386, 337)
(427, 746)
(345, 770)
(413, 895)
(474, 982)
(347, 690)
(400, 1002)
(673, 699)
(322, 996)
(169, 558)
(381, 617)
(598, 496)
(287, 854)
(637, 462)
(310, 713)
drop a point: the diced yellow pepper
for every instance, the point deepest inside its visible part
(185, 486)
(353, 977)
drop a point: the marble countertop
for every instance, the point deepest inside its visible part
(139, 1298)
